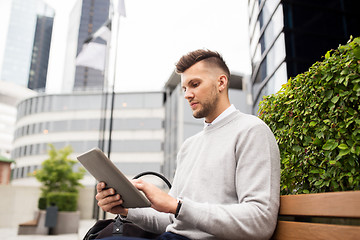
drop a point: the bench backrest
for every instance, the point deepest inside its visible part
(319, 216)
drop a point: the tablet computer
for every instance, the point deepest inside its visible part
(96, 162)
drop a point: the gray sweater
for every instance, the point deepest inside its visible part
(228, 177)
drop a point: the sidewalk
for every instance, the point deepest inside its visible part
(11, 233)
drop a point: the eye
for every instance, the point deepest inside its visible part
(194, 85)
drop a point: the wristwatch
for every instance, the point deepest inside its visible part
(178, 208)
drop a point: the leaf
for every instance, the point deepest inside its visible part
(343, 146)
(344, 72)
(356, 52)
(297, 148)
(330, 144)
(335, 99)
(344, 152)
(352, 162)
(329, 94)
(327, 55)
(356, 88)
(351, 111)
(312, 124)
(319, 182)
(335, 184)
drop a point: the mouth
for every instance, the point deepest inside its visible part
(193, 105)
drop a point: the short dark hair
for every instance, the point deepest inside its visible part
(196, 56)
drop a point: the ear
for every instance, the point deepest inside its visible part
(223, 82)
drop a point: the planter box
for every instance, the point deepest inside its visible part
(67, 222)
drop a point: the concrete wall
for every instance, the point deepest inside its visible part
(18, 204)
(5, 172)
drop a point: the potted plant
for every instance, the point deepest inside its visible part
(60, 188)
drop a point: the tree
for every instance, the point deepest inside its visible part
(57, 173)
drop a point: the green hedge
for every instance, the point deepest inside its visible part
(65, 201)
(42, 203)
(315, 119)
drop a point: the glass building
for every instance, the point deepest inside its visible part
(40, 53)
(287, 37)
(94, 14)
(77, 120)
(21, 40)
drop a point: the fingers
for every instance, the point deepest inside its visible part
(102, 192)
(160, 200)
(139, 184)
(108, 203)
(107, 199)
(100, 186)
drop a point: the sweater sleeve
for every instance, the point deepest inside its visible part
(257, 190)
(149, 219)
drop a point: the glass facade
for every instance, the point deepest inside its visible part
(287, 37)
(94, 14)
(77, 120)
(40, 53)
(267, 48)
(314, 27)
(21, 40)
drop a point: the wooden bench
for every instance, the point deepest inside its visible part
(35, 226)
(29, 226)
(327, 216)
(31, 223)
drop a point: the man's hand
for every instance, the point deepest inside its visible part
(108, 201)
(160, 200)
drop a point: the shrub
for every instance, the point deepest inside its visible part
(42, 203)
(65, 201)
(315, 119)
(57, 175)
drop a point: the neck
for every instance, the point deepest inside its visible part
(221, 107)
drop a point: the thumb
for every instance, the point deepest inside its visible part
(139, 184)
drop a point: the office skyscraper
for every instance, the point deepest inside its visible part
(20, 39)
(94, 13)
(40, 53)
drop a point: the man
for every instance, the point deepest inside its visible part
(226, 185)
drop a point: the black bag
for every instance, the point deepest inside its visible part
(121, 227)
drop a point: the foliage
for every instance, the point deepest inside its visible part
(42, 203)
(315, 119)
(65, 201)
(57, 175)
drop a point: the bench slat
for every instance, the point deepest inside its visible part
(29, 223)
(314, 231)
(334, 204)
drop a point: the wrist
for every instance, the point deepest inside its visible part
(173, 206)
(124, 213)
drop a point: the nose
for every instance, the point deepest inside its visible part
(188, 94)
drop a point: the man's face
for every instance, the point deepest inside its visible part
(199, 83)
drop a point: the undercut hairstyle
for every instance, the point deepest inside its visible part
(196, 56)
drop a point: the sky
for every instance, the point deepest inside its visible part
(156, 33)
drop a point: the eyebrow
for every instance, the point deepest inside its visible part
(193, 79)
